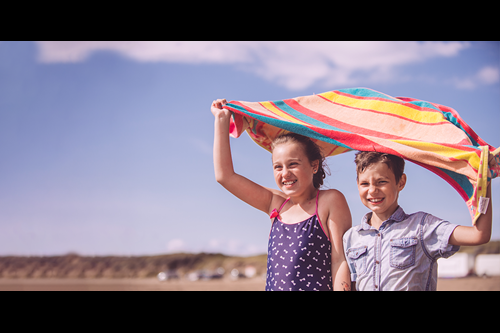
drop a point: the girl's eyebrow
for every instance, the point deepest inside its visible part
(289, 160)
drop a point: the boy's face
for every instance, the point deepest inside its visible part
(378, 189)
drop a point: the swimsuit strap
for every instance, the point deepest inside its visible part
(317, 216)
(317, 199)
(284, 203)
(275, 212)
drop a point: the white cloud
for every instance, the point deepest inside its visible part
(295, 65)
(227, 245)
(214, 243)
(191, 52)
(485, 76)
(175, 245)
(488, 75)
(234, 247)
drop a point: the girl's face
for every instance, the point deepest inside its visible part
(293, 172)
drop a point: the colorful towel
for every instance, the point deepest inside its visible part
(428, 134)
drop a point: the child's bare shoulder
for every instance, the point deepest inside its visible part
(331, 194)
(334, 201)
(335, 207)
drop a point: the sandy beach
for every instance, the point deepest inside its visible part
(152, 284)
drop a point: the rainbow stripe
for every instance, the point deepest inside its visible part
(428, 134)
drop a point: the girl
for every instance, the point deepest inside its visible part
(305, 250)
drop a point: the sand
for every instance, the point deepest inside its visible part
(152, 284)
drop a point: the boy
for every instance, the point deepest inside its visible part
(391, 250)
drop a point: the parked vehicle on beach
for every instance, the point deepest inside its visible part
(488, 265)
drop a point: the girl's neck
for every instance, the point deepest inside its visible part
(305, 197)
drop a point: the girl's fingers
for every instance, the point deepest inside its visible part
(219, 103)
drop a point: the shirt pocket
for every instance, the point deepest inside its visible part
(403, 252)
(358, 258)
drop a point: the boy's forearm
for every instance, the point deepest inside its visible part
(478, 234)
(483, 223)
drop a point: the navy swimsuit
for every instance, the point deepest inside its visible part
(298, 255)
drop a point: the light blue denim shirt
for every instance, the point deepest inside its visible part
(401, 255)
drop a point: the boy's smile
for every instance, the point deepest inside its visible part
(379, 191)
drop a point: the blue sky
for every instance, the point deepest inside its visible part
(106, 147)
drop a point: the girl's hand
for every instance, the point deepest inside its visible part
(217, 108)
(253, 194)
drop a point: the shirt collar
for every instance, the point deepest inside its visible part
(398, 216)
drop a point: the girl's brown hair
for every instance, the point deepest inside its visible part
(312, 151)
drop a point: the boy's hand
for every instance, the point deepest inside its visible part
(494, 165)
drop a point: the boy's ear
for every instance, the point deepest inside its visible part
(402, 182)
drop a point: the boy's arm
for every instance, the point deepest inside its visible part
(243, 188)
(478, 234)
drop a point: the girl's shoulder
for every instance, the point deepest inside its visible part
(278, 199)
(330, 194)
(332, 201)
(334, 213)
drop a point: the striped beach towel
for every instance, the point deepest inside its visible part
(428, 134)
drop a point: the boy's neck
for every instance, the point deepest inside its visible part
(377, 220)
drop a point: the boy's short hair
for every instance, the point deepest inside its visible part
(364, 159)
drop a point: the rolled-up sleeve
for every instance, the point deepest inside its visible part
(436, 236)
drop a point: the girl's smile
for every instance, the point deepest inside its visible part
(289, 183)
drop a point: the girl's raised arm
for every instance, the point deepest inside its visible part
(253, 194)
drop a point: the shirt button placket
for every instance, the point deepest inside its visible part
(378, 253)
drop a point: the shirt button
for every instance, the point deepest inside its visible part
(377, 262)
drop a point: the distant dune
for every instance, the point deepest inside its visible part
(76, 266)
